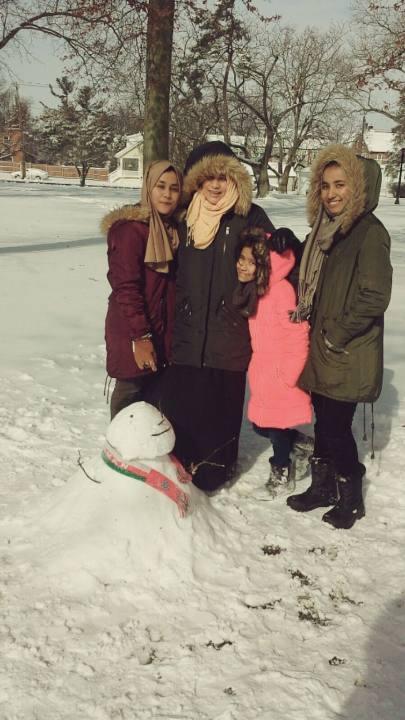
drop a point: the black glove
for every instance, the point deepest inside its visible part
(284, 239)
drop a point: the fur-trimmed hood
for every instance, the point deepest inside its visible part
(364, 176)
(138, 213)
(213, 166)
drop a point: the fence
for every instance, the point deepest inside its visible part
(62, 171)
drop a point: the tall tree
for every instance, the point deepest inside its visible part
(100, 31)
(394, 159)
(67, 20)
(314, 79)
(158, 74)
(379, 50)
(221, 36)
(78, 132)
(255, 87)
(381, 46)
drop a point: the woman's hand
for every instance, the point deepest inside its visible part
(144, 354)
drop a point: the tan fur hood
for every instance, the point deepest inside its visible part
(354, 169)
(138, 213)
(214, 165)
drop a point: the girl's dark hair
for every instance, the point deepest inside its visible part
(256, 239)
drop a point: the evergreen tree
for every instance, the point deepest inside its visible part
(79, 131)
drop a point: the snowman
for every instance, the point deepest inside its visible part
(129, 514)
(139, 445)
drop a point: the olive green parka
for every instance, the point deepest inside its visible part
(353, 291)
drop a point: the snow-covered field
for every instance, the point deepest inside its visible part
(267, 615)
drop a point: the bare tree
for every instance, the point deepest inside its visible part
(99, 32)
(253, 87)
(314, 79)
(69, 20)
(381, 42)
(379, 51)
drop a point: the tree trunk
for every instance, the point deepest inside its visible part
(158, 75)
(82, 171)
(283, 181)
(22, 164)
(225, 107)
(263, 185)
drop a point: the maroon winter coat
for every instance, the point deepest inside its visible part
(142, 300)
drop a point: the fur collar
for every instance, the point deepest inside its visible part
(214, 165)
(354, 169)
(137, 213)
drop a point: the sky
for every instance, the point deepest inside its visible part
(111, 605)
(40, 64)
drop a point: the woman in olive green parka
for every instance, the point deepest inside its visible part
(345, 288)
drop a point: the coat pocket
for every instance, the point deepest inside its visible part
(332, 368)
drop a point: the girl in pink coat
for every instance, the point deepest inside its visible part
(279, 350)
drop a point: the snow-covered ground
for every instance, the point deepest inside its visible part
(268, 615)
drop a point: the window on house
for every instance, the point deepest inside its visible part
(130, 164)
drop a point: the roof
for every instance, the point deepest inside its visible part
(132, 142)
(379, 141)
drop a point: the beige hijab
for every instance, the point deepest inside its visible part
(163, 239)
(203, 218)
(317, 245)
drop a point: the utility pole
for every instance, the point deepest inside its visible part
(21, 127)
(400, 177)
(364, 127)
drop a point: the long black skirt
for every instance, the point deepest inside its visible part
(205, 407)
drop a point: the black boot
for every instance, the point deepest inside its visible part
(350, 506)
(322, 491)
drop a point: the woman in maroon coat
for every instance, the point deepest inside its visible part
(142, 240)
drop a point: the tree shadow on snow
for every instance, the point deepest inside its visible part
(379, 693)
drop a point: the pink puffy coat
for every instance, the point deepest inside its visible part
(280, 350)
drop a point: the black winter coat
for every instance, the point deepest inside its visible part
(208, 331)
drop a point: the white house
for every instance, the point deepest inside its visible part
(378, 145)
(129, 172)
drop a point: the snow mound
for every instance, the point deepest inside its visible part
(131, 515)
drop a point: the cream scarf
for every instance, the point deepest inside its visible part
(317, 245)
(203, 219)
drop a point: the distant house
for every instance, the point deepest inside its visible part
(11, 144)
(129, 172)
(378, 144)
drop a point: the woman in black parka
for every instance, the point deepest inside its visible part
(204, 388)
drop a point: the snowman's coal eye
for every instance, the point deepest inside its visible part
(131, 416)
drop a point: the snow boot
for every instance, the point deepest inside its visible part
(322, 491)
(302, 452)
(281, 480)
(350, 506)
